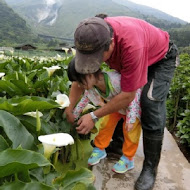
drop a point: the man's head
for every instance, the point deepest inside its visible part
(92, 39)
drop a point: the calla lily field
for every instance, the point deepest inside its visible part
(39, 149)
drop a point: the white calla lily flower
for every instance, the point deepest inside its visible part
(15, 104)
(62, 100)
(54, 94)
(65, 49)
(2, 74)
(2, 56)
(73, 51)
(34, 114)
(52, 69)
(58, 57)
(87, 107)
(51, 141)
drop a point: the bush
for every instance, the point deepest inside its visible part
(178, 106)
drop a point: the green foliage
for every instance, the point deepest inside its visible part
(72, 12)
(13, 27)
(28, 87)
(3, 143)
(17, 161)
(15, 131)
(21, 185)
(178, 104)
(72, 178)
(19, 106)
(181, 35)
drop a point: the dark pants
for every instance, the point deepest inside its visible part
(154, 94)
(153, 99)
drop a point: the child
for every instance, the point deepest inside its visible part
(100, 87)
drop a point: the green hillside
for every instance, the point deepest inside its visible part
(14, 29)
(68, 13)
(71, 12)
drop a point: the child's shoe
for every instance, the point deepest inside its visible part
(123, 165)
(96, 156)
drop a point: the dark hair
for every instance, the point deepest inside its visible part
(73, 75)
(102, 16)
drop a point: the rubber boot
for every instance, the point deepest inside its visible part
(152, 150)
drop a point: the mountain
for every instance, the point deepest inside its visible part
(13, 28)
(60, 17)
(148, 11)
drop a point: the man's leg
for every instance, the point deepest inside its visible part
(153, 102)
(115, 146)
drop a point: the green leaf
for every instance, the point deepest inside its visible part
(82, 186)
(38, 122)
(186, 136)
(15, 131)
(30, 124)
(72, 178)
(21, 105)
(17, 185)
(24, 88)
(15, 161)
(24, 176)
(10, 88)
(3, 143)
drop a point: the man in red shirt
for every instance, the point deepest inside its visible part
(145, 58)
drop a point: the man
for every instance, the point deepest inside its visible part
(145, 58)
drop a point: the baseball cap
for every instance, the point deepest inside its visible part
(90, 37)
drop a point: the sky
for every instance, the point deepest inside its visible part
(176, 8)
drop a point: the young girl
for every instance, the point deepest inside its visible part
(100, 87)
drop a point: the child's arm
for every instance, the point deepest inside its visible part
(133, 111)
(75, 94)
(81, 105)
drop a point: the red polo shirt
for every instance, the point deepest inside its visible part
(138, 45)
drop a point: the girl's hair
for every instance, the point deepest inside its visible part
(73, 75)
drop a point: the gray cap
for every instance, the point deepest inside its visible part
(90, 37)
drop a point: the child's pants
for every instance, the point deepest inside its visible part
(106, 130)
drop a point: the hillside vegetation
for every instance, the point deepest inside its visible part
(61, 18)
(13, 28)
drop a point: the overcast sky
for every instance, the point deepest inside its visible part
(176, 8)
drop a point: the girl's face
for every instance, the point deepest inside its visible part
(89, 82)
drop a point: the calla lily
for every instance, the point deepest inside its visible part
(50, 142)
(52, 69)
(15, 104)
(88, 106)
(54, 94)
(65, 49)
(73, 51)
(62, 100)
(2, 56)
(11, 51)
(34, 114)
(2, 74)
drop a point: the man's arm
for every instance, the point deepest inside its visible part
(75, 93)
(120, 101)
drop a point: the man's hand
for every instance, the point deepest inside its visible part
(85, 123)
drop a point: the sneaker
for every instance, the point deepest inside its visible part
(123, 165)
(96, 156)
